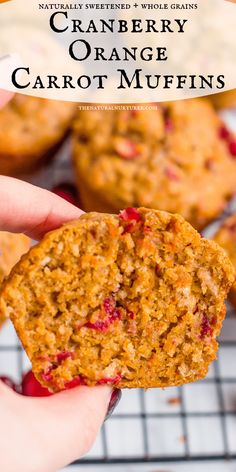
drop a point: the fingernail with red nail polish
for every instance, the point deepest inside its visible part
(115, 399)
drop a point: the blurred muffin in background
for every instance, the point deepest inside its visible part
(226, 238)
(12, 247)
(30, 129)
(178, 157)
(224, 99)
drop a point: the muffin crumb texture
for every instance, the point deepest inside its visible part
(132, 300)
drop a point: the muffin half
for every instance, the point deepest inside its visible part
(133, 300)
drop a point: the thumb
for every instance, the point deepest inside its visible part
(68, 423)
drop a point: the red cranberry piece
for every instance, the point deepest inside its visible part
(109, 305)
(98, 325)
(167, 119)
(126, 148)
(131, 315)
(110, 309)
(168, 124)
(224, 133)
(116, 315)
(32, 388)
(47, 375)
(158, 270)
(129, 228)
(62, 356)
(103, 325)
(57, 360)
(206, 329)
(130, 214)
(66, 191)
(9, 382)
(110, 380)
(232, 148)
(75, 382)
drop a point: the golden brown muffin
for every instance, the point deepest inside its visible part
(224, 99)
(12, 246)
(135, 300)
(226, 237)
(174, 158)
(30, 128)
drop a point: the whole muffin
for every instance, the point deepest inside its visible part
(31, 128)
(224, 99)
(174, 158)
(12, 246)
(226, 237)
(135, 300)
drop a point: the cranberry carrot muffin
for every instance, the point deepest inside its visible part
(226, 238)
(12, 246)
(30, 128)
(173, 158)
(133, 300)
(224, 99)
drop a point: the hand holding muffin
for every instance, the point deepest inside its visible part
(69, 421)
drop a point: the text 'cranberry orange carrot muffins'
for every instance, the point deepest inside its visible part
(31, 128)
(12, 246)
(174, 158)
(226, 238)
(134, 300)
